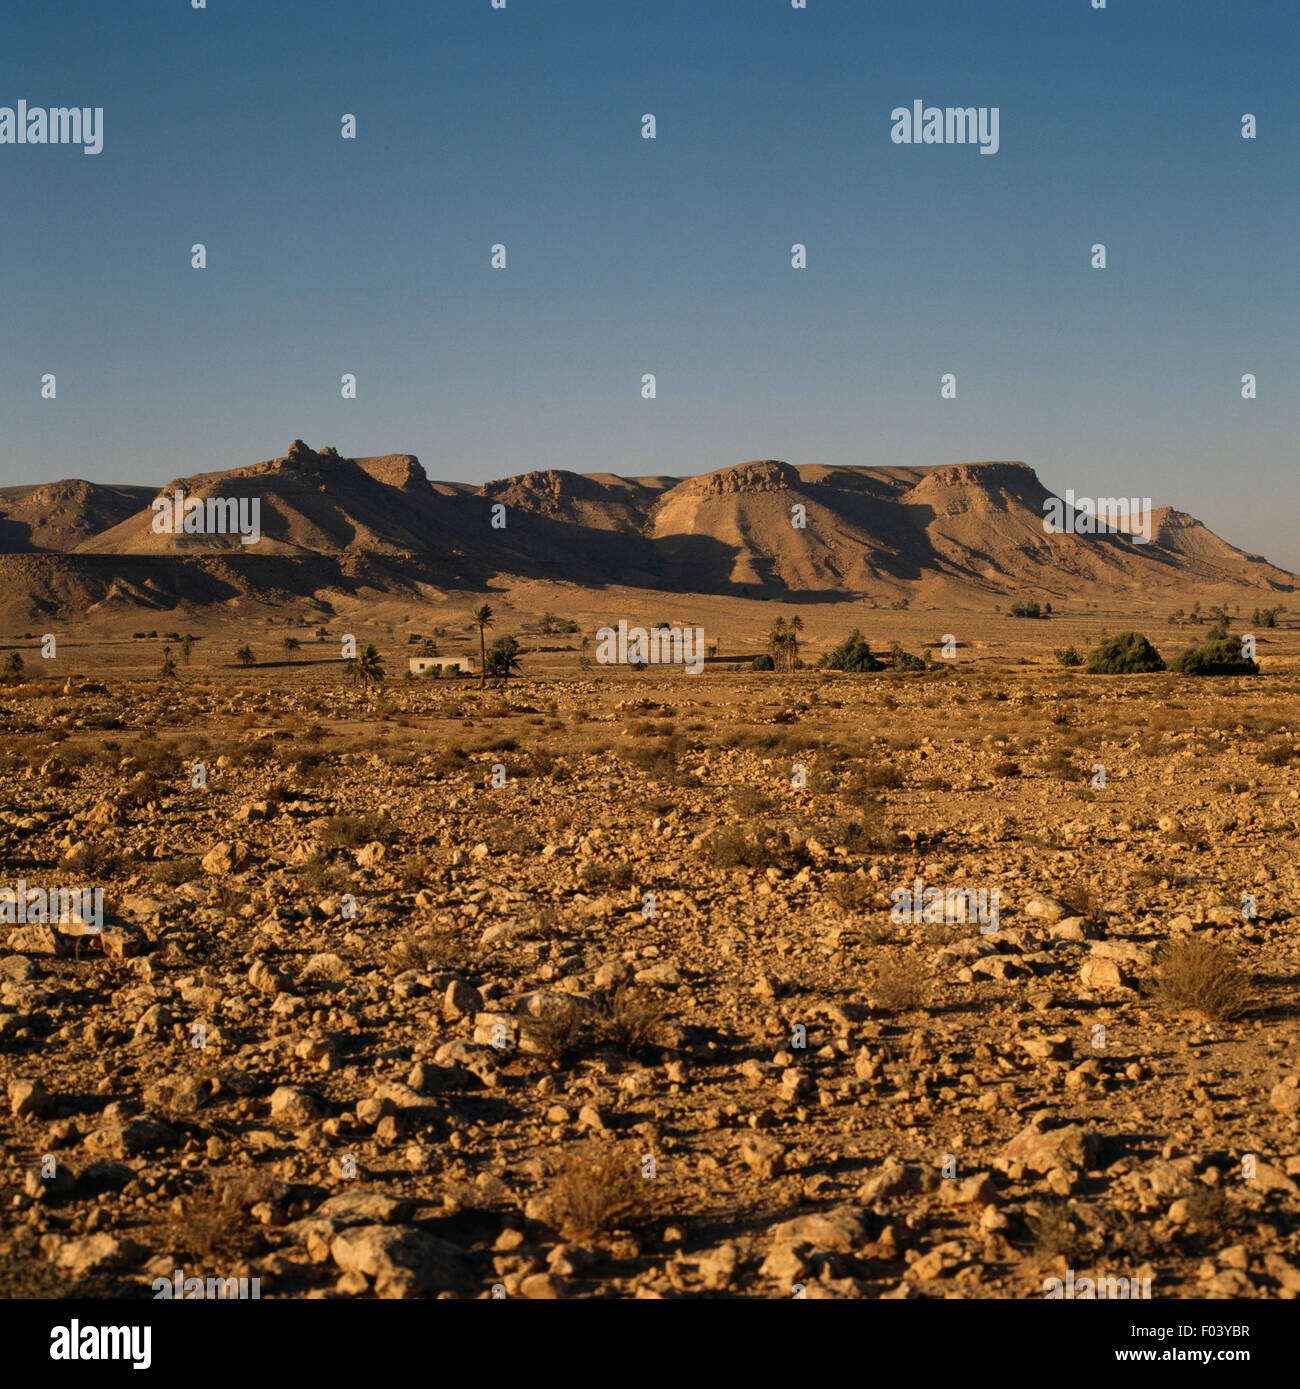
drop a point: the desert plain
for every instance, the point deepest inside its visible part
(589, 982)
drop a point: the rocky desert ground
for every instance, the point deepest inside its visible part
(592, 984)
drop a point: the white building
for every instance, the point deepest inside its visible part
(421, 664)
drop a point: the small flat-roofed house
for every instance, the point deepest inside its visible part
(421, 665)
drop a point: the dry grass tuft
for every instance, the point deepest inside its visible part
(599, 1189)
(1053, 1231)
(1200, 975)
(630, 1019)
(902, 981)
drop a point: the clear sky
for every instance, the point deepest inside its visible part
(671, 256)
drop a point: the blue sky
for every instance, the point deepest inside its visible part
(670, 256)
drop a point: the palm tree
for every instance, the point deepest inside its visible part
(13, 668)
(776, 641)
(168, 670)
(783, 642)
(244, 655)
(482, 619)
(503, 658)
(368, 667)
(291, 643)
(187, 645)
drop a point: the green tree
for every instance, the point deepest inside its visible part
(187, 645)
(244, 655)
(503, 658)
(852, 654)
(1219, 657)
(904, 660)
(167, 671)
(291, 644)
(783, 643)
(367, 667)
(1126, 653)
(13, 670)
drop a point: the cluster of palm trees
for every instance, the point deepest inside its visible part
(783, 643)
(499, 661)
(367, 666)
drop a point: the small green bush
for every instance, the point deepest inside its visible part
(1127, 653)
(852, 654)
(1221, 657)
(904, 660)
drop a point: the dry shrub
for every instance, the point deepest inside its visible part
(351, 831)
(174, 872)
(542, 762)
(606, 876)
(29, 1276)
(658, 761)
(1083, 900)
(1198, 974)
(731, 847)
(1212, 1211)
(417, 872)
(506, 836)
(1006, 768)
(902, 981)
(852, 893)
(1234, 786)
(749, 800)
(558, 1035)
(211, 1226)
(1057, 763)
(318, 874)
(882, 777)
(450, 760)
(1052, 1230)
(428, 948)
(630, 1019)
(866, 832)
(598, 1189)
